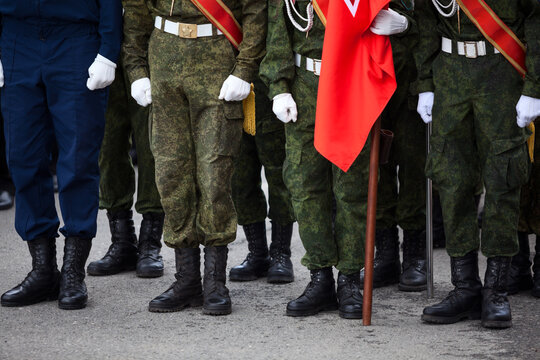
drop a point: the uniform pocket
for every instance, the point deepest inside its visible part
(230, 133)
(511, 162)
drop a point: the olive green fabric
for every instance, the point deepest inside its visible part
(125, 118)
(265, 149)
(403, 204)
(312, 180)
(475, 137)
(194, 136)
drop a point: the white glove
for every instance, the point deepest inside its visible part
(285, 108)
(1, 74)
(100, 73)
(425, 105)
(389, 22)
(142, 92)
(234, 89)
(528, 109)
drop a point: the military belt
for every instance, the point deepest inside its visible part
(186, 31)
(312, 65)
(469, 49)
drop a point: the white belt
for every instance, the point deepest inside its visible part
(312, 65)
(187, 31)
(470, 49)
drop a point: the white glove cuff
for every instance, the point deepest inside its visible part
(104, 60)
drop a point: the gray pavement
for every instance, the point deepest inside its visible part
(117, 325)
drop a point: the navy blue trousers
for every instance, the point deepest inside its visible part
(45, 99)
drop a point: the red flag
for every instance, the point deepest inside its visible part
(357, 79)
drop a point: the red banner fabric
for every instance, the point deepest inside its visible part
(357, 79)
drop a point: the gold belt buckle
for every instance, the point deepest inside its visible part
(187, 31)
(471, 49)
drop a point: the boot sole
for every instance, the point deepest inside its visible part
(300, 313)
(106, 272)
(216, 312)
(348, 315)
(150, 274)
(197, 302)
(50, 297)
(282, 279)
(72, 306)
(412, 288)
(450, 320)
(381, 284)
(497, 324)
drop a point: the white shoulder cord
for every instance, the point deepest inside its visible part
(445, 13)
(309, 12)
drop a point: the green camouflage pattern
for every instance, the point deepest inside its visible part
(139, 23)
(277, 68)
(194, 137)
(124, 119)
(529, 216)
(488, 144)
(312, 180)
(475, 137)
(405, 207)
(521, 16)
(265, 149)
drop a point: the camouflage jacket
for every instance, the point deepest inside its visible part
(139, 23)
(283, 40)
(522, 16)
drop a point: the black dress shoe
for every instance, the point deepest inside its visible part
(6, 200)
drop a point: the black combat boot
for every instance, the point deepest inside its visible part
(386, 265)
(319, 295)
(520, 275)
(464, 302)
(186, 291)
(281, 268)
(349, 296)
(257, 261)
(150, 262)
(73, 294)
(536, 269)
(216, 294)
(414, 276)
(122, 254)
(495, 306)
(41, 284)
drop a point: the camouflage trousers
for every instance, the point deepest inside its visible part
(404, 207)
(314, 182)
(194, 138)
(265, 149)
(125, 118)
(529, 217)
(488, 144)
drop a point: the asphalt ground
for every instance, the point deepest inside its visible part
(117, 325)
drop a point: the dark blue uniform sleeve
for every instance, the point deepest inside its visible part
(110, 28)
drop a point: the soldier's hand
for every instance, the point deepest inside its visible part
(141, 91)
(1, 74)
(425, 106)
(285, 108)
(389, 22)
(527, 109)
(100, 73)
(234, 89)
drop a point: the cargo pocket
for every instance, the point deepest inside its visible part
(433, 161)
(231, 128)
(510, 163)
